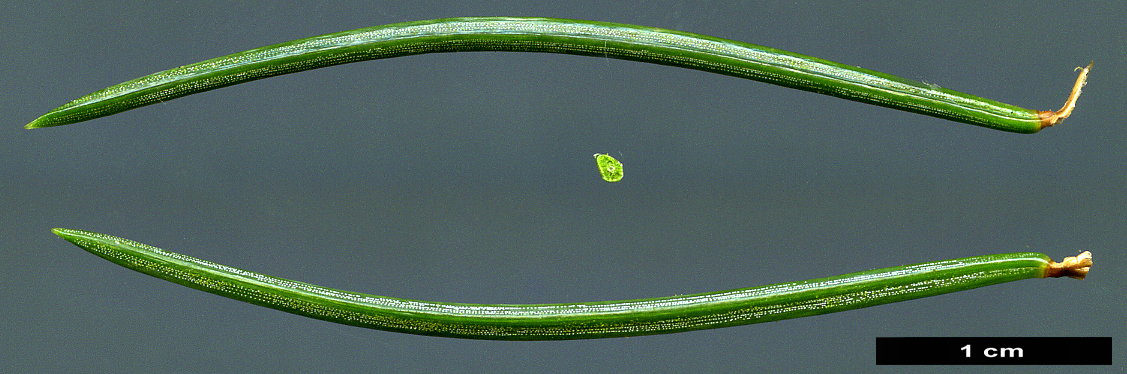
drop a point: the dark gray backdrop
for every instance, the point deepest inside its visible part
(469, 178)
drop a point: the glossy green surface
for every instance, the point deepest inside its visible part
(576, 37)
(569, 321)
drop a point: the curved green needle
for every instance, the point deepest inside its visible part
(582, 320)
(575, 37)
(575, 320)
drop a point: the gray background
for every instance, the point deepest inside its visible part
(469, 178)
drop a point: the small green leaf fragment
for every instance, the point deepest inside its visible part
(610, 168)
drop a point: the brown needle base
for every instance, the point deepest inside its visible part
(1072, 267)
(1049, 118)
